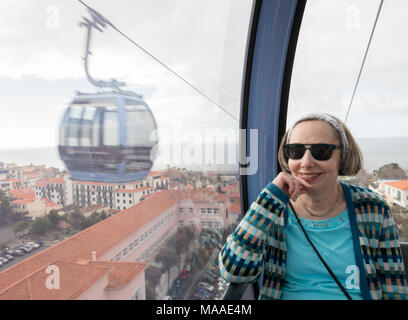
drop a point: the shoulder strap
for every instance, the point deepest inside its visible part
(320, 257)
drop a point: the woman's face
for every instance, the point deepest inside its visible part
(320, 174)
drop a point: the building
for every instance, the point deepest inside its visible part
(234, 214)
(9, 184)
(26, 203)
(396, 192)
(58, 190)
(107, 260)
(119, 196)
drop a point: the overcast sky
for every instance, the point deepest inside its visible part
(42, 45)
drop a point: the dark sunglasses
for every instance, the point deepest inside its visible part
(320, 151)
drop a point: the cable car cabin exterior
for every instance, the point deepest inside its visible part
(108, 137)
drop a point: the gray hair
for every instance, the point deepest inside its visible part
(332, 122)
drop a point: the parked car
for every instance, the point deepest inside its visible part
(29, 247)
(24, 249)
(207, 278)
(4, 260)
(39, 242)
(19, 252)
(207, 286)
(8, 256)
(184, 274)
(33, 244)
(16, 252)
(1, 263)
(167, 298)
(201, 290)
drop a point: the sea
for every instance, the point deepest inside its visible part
(376, 153)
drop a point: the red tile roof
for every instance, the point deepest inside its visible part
(25, 193)
(104, 235)
(36, 285)
(43, 183)
(400, 184)
(49, 203)
(156, 173)
(122, 272)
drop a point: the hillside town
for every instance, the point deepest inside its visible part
(149, 239)
(156, 238)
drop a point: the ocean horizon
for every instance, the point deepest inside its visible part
(376, 153)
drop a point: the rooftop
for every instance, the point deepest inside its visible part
(400, 184)
(100, 238)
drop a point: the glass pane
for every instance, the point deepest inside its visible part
(331, 47)
(194, 162)
(86, 127)
(111, 129)
(73, 125)
(96, 128)
(140, 127)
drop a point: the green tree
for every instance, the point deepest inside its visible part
(167, 257)
(21, 226)
(152, 275)
(40, 226)
(76, 219)
(53, 217)
(5, 209)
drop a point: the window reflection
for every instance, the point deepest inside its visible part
(168, 226)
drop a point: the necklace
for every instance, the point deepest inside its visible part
(327, 212)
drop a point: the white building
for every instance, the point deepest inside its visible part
(396, 192)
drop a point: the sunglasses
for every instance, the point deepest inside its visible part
(320, 151)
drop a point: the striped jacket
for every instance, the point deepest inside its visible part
(258, 247)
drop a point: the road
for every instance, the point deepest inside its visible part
(25, 256)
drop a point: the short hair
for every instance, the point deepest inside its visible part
(351, 166)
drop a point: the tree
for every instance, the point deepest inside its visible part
(152, 275)
(39, 226)
(168, 258)
(21, 226)
(5, 209)
(53, 217)
(391, 171)
(76, 219)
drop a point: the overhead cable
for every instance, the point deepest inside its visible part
(157, 60)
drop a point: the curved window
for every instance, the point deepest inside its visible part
(140, 127)
(74, 120)
(192, 96)
(332, 43)
(110, 127)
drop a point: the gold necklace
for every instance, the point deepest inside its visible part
(327, 212)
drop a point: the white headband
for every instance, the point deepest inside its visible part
(334, 123)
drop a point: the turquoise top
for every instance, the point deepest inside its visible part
(306, 276)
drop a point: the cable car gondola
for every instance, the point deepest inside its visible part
(107, 136)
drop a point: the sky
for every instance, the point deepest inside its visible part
(42, 46)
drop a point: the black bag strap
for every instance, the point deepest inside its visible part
(320, 257)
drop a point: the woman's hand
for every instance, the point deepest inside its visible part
(293, 187)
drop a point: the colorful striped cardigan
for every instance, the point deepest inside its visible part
(258, 247)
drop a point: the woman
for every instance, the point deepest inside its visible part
(350, 227)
